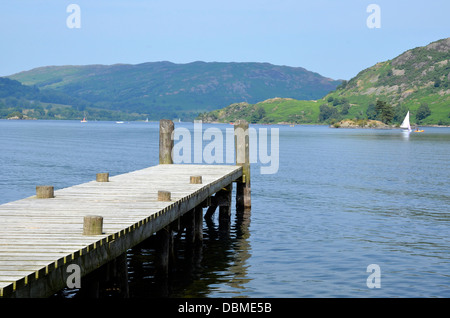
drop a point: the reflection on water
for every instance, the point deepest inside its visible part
(221, 260)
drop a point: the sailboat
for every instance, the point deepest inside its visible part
(405, 124)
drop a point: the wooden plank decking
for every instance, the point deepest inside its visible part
(39, 238)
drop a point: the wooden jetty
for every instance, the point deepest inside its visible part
(44, 237)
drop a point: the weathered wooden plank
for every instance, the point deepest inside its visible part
(39, 237)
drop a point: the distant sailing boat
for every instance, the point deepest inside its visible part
(84, 120)
(405, 124)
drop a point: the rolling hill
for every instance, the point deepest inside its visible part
(18, 101)
(168, 90)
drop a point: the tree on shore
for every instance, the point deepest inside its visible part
(327, 112)
(423, 112)
(385, 112)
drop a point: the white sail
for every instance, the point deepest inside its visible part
(405, 124)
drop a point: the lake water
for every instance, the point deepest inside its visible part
(341, 200)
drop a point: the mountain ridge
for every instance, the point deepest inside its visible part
(167, 89)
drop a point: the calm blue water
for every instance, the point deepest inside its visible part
(341, 200)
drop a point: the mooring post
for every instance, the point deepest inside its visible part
(166, 128)
(196, 180)
(44, 192)
(102, 177)
(164, 195)
(93, 225)
(241, 144)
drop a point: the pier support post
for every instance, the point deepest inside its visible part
(175, 226)
(121, 273)
(193, 221)
(116, 276)
(198, 216)
(163, 238)
(225, 209)
(241, 143)
(166, 128)
(189, 221)
(90, 284)
(211, 209)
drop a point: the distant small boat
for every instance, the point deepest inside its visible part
(119, 122)
(405, 124)
(84, 120)
(419, 130)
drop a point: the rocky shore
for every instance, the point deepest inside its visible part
(361, 123)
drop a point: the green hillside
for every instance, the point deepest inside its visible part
(417, 80)
(20, 101)
(163, 89)
(417, 77)
(271, 111)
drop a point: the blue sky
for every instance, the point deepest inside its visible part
(329, 37)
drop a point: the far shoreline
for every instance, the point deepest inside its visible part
(355, 126)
